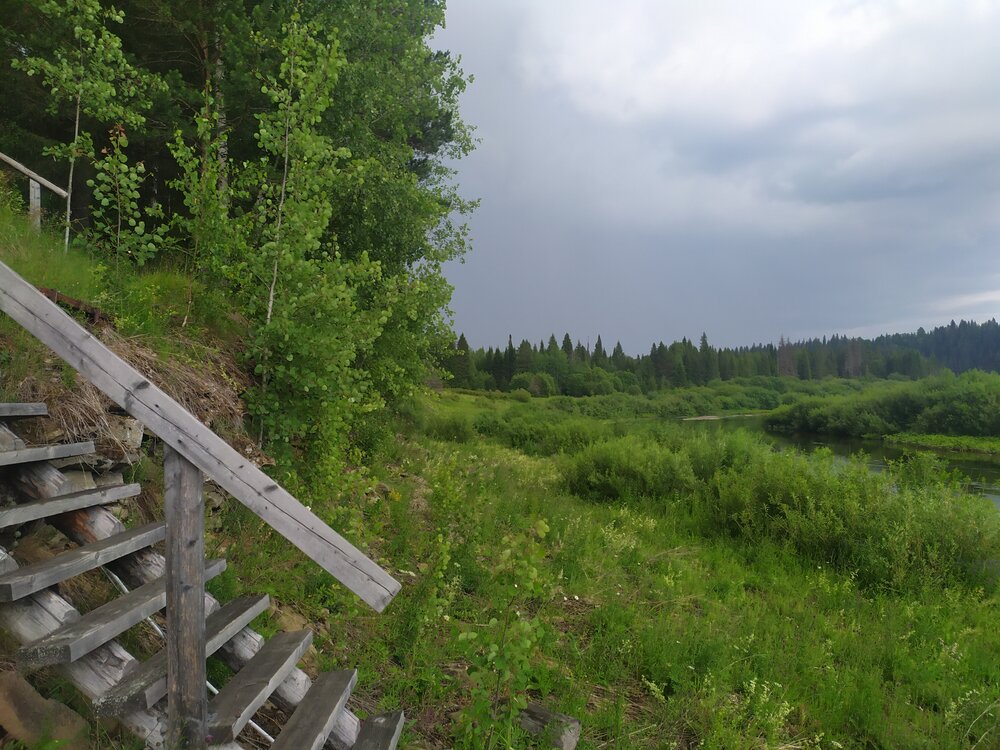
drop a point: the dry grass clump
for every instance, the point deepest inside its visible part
(206, 381)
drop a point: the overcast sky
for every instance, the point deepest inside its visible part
(652, 169)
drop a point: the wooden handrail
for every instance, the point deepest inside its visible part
(33, 175)
(180, 430)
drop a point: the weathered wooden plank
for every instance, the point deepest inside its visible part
(239, 700)
(35, 204)
(93, 524)
(100, 625)
(32, 175)
(33, 511)
(35, 616)
(32, 578)
(184, 505)
(147, 684)
(45, 453)
(18, 411)
(185, 434)
(315, 717)
(381, 732)
(290, 693)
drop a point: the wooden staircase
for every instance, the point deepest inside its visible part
(164, 700)
(26, 592)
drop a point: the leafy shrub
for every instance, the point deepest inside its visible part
(909, 528)
(944, 404)
(521, 394)
(455, 428)
(629, 467)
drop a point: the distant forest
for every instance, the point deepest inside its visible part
(554, 367)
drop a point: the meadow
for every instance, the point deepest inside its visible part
(671, 588)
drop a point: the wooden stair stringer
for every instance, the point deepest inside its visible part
(90, 525)
(42, 613)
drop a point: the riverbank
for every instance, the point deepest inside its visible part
(983, 446)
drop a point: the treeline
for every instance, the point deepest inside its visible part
(290, 158)
(550, 368)
(961, 346)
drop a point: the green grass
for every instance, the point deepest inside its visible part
(155, 305)
(706, 591)
(989, 446)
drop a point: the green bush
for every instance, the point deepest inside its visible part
(455, 428)
(908, 528)
(944, 404)
(629, 467)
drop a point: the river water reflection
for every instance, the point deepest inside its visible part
(983, 473)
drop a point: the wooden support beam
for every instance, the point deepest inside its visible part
(35, 204)
(187, 698)
(199, 445)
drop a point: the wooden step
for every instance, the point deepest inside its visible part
(19, 514)
(32, 578)
(18, 411)
(238, 701)
(315, 716)
(381, 732)
(99, 626)
(147, 684)
(45, 453)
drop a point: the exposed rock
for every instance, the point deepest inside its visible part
(290, 620)
(127, 431)
(558, 730)
(111, 479)
(30, 718)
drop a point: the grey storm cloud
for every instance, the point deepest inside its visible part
(650, 170)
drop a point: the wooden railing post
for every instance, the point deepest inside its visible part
(35, 204)
(187, 699)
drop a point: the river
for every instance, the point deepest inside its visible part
(983, 473)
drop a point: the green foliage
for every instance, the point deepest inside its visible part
(968, 404)
(502, 652)
(629, 467)
(326, 226)
(87, 67)
(10, 197)
(119, 227)
(957, 443)
(299, 291)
